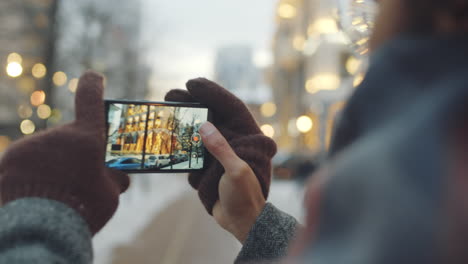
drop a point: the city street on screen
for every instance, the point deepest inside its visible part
(154, 137)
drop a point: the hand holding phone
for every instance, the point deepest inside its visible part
(237, 125)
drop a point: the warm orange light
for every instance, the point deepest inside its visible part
(38, 98)
(4, 143)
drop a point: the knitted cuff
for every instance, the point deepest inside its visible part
(94, 212)
(255, 150)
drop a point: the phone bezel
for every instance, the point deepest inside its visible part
(206, 154)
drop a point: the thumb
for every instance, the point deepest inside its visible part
(218, 146)
(119, 178)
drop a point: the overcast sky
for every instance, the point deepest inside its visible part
(185, 34)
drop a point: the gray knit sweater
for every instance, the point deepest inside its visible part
(34, 230)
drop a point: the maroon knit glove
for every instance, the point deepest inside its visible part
(67, 163)
(238, 126)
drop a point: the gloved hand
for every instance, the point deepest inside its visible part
(238, 127)
(66, 163)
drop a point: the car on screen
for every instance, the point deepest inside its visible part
(158, 161)
(124, 163)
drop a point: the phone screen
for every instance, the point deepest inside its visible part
(155, 137)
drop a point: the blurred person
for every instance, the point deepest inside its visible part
(392, 191)
(393, 188)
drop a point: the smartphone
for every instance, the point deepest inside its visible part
(149, 137)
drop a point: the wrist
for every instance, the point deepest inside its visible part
(241, 229)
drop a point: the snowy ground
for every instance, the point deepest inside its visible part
(152, 194)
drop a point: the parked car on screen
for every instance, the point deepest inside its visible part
(124, 163)
(158, 161)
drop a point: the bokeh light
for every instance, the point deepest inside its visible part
(59, 78)
(287, 11)
(27, 127)
(268, 109)
(304, 124)
(25, 111)
(14, 69)
(353, 65)
(4, 143)
(44, 111)
(323, 81)
(358, 80)
(14, 57)
(268, 130)
(38, 98)
(299, 42)
(73, 85)
(324, 25)
(39, 70)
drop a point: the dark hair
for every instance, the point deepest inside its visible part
(423, 12)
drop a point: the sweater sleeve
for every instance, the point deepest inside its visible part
(35, 230)
(269, 238)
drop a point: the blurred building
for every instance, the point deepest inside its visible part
(235, 70)
(26, 49)
(313, 73)
(104, 36)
